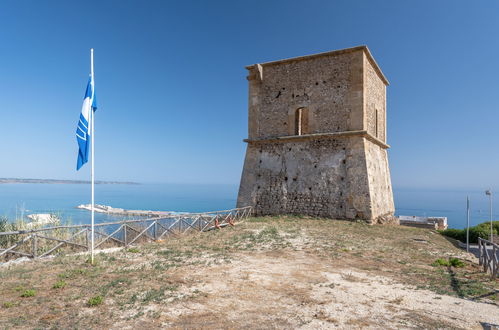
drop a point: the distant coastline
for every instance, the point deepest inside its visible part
(56, 181)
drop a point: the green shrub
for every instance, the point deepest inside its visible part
(478, 231)
(441, 262)
(28, 293)
(95, 301)
(7, 304)
(455, 262)
(59, 284)
(482, 230)
(459, 234)
(4, 225)
(133, 250)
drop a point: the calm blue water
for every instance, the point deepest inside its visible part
(445, 203)
(62, 199)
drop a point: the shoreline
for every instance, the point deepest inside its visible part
(57, 181)
(119, 211)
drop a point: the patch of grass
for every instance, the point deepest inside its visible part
(95, 301)
(19, 288)
(473, 288)
(133, 299)
(28, 293)
(154, 295)
(259, 219)
(173, 253)
(59, 284)
(454, 262)
(116, 284)
(250, 240)
(157, 295)
(441, 262)
(72, 273)
(17, 321)
(133, 250)
(93, 264)
(7, 304)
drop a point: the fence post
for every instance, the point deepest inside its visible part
(124, 234)
(35, 246)
(479, 251)
(86, 240)
(155, 228)
(495, 266)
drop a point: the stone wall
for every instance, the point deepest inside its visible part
(375, 102)
(317, 177)
(380, 186)
(329, 87)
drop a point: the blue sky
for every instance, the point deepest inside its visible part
(172, 90)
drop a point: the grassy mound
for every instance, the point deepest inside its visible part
(285, 272)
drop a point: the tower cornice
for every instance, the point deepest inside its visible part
(316, 136)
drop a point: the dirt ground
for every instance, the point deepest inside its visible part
(278, 273)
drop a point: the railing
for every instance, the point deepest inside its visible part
(489, 258)
(122, 233)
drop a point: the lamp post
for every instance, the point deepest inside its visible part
(467, 223)
(489, 193)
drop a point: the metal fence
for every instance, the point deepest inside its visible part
(38, 243)
(489, 256)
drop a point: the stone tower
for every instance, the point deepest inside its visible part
(317, 138)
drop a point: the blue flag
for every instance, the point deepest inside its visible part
(83, 130)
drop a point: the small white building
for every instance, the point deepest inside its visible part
(439, 223)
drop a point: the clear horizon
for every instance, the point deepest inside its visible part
(468, 189)
(172, 86)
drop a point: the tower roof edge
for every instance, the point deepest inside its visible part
(363, 48)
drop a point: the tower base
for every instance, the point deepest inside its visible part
(341, 175)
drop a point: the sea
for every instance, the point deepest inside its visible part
(18, 200)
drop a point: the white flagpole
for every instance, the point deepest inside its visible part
(92, 138)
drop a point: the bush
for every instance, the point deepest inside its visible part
(441, 262)
(28, 293)
(59, 284)
(482, 230)
(478, 231)
(3, 224)
(459, 234)
(95, 301)
(454, 262)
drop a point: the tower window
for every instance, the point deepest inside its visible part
(376, 122)
(301, 121)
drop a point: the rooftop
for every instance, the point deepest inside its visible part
(363, 48)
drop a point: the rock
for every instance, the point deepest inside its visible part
(40, 219)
